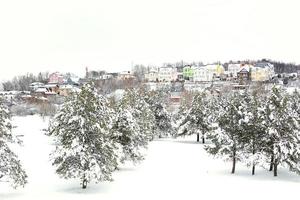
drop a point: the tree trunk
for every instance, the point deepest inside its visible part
(233, 162)
(253, 164)
(203, 139)
(198, 137)
(84, 184)
(275, 167)
(253, 169)
(271, 163)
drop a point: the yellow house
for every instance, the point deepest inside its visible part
(216, 69)
(262, 72)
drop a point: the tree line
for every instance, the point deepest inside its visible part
(258, 128)
(22, 82)
(94, 134)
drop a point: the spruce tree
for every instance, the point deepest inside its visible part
(82, 134)
(10, 166)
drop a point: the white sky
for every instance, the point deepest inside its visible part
(37, 35)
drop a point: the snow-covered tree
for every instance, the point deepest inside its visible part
(226, 139)
(158, 105)
(128, 135)
(185, 105)
(282, 129)
(163, 121)
(82, 134)
(294, 159)
(141, 111)
(197, 119)
(254, 136)
(10, 166)
(133, 126)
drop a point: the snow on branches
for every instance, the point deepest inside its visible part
(10, 166)
(82, 134)
(256, 129)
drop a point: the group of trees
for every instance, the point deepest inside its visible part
(21, 83)
(94, 135)
(258, 128)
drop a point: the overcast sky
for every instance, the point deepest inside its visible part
(62, 35)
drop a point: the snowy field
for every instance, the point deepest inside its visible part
(173, 169)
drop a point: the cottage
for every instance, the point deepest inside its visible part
(207, 73)
(126, 75)
(244, 73)
(188, 72)
(56, 78)
(233, 70)
(167, 74)
(262, 72)
(35, 85)
(152, 75)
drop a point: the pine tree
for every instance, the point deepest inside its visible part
(282, 131)
(128, 135)
(253, 125)
(226, 139)
(163, 120)
(185, 105)
(293, 161)
(141, 111)
(82, 133)
(133, 126)
(10, 166)
(197, 119)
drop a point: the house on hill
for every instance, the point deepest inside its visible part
(233, 69)
(207, 73)
(152, 75)
(56, 78)
(188, 72)
(262, 72)
(243, 74)
(167, 74)
(126, 75)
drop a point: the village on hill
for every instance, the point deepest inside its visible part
(178, 78)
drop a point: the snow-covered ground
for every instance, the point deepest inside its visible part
(173, 169)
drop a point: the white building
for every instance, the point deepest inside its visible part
(152, 75)
(167, 74)
(201, 74)
(36, 85)
(262, 72)
(125, 75)
(233, 69)
(207, 73)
